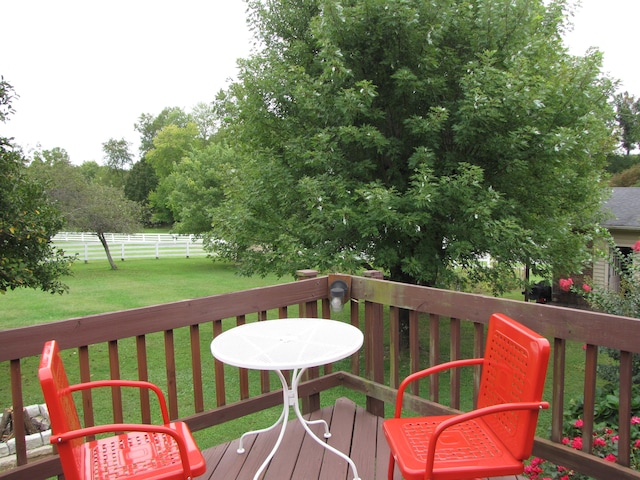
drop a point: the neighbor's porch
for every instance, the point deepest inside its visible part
(206, 393)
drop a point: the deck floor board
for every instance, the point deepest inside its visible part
(353, 431)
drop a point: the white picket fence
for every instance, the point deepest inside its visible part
(87, 246)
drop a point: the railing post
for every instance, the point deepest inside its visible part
(374, 345)
(311, 403)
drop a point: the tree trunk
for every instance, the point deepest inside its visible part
(103, 241)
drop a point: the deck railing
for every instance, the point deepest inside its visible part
(442, 319)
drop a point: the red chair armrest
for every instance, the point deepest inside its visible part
(127, 383)
(430, 371)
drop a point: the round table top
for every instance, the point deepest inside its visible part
(287, 343)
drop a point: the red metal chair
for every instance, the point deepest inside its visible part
(143, 451)
(496, 437)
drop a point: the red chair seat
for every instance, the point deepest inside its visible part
(138, 456)
(464, 451)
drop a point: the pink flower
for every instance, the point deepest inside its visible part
(578, 423)
(586, 287)
(636, 444)
(599, 442)
(565, 284)
(635, 420)
(636, 246)
(565, 441)
(577, 443)
(611, 458)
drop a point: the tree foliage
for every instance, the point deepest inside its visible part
(87, 206)
(117, 155)
(28, 221)
(414, 137)
(149, 125)
(198, 187)
(628, 119)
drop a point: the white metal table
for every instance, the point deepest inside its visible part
(289, 344)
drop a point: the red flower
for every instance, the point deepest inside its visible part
(599, 442)
(578, 423)
(635, 420)
(611, 458)
(636, 444)
(577, 443)
(636, 246)
(586, 287)
(566, 283)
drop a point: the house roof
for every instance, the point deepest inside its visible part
(624, 208)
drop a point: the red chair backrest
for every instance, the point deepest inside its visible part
(515, 368)
(59, 400)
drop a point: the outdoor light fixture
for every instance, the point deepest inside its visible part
(338, 293)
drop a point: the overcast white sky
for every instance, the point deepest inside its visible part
(86, 70)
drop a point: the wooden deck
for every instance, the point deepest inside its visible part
(354, 431)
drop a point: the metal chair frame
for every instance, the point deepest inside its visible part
(135, 452)
(496, 437)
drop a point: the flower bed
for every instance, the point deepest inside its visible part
(605, 445)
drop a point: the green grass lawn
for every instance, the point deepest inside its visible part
(95, 288)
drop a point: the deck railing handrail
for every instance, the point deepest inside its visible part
(374, 304)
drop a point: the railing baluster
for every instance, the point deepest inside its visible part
(243, 373)
(590, 375)
(394, 347)
(116, 393)
(221, 394)
(558, 379)
(624, 412)
(414, 347)
(478, 351)
(196, 368)
(434, 356)
(86, 395)
(143, 375)
(454, 354)
(354, 314)
(265, 380)
(170, 362)
(18, 417)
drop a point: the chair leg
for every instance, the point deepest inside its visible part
(392, 466)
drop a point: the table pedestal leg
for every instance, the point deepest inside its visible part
(296, 377)
(290, 399)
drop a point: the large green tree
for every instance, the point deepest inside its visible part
(414, 136)
(28, 221)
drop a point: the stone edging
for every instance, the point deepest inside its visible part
(37, 443)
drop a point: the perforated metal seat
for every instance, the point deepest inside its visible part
(496, 437)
